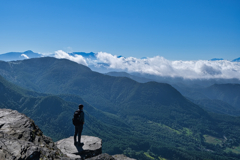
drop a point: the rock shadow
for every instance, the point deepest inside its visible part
(86, 153)
(80, 150)
(79, 147)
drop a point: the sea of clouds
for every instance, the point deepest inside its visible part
(200, 69)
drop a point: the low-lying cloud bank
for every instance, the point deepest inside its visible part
(201, 69)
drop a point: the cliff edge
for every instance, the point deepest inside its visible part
(92, 146)
(21, 139)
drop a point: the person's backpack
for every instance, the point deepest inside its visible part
(76, 121)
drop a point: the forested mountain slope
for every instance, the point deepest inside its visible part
(118, 95)
(61, 76)
(54, 115)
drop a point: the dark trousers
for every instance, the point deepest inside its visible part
(78, 131)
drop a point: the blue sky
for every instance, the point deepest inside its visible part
(175, 30)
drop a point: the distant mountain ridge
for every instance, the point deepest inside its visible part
(13, 56)
(236, 60)
(204, 96)
(229, 93)
(100, 67)
(217, 59)
(90, 55)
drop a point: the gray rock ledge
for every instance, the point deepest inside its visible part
(92, 147)
(21, 139)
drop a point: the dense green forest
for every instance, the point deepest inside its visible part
(142, 120)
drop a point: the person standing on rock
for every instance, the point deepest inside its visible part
(78, 121)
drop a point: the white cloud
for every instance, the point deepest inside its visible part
(201, 69)
(76, 58)
(25, 56)
(163, 67)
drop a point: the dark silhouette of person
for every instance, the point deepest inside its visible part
(79, 128)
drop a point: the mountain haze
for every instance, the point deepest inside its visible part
(13, 56)
(229, 93)
(196, 91)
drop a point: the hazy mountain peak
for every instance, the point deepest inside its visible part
(216, 59)
(120, 56)
(28, 51)
(236, 60)
(13, 56)
(84, 54)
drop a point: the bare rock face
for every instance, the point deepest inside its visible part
(21, 139)
(92, 146)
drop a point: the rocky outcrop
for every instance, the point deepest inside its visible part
(90, 150)
(92, 146)
(21, 139)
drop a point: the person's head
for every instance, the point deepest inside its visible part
(80, 106)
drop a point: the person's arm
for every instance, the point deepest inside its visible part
(83, 117)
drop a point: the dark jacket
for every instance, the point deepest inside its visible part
(81, 116)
